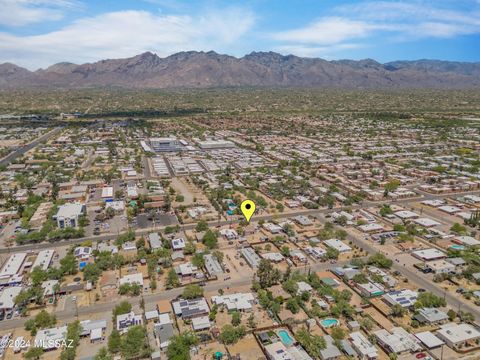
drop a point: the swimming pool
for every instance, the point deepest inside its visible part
(457, 247)
(329, 322)
(285, 337)
(82, 265)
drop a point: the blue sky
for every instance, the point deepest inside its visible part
(39, 33)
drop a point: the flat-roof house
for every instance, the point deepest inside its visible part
(52, 338)
(7, 298)
(190, 308)
(95, 329)
(441, 267)
(397, 341)
(132, 279)
(338, 245)
(43, 259)
(68, 215)
(429, 254)
(458, 336)
(331, 352)
(163, 332)
(235, 302)
(124, 321)
(83, 252)
(430, 316)
(429, 340)
(178, 244)
(405, 298)
(212, 265)
(250, 257)
(201, 323)
(154, 241)
(363, 346)
(371, 289)
(13, 265)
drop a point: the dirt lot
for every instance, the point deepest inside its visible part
(248, 348)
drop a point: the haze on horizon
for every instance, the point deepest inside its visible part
(38, 33)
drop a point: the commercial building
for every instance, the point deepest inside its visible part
(169, 144)
(68, 215)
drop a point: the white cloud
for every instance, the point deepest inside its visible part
(327, 31)
(375, 21)
(326, 52)
(24, 12)
(127, 33)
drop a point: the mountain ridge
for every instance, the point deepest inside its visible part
(198, 69)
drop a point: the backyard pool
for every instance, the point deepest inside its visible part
(457, 247)
(285, 337)
(329, 322)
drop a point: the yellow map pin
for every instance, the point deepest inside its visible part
(248, 208)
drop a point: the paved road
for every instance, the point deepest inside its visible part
(313, 212)
(23, 149)
(70, 312)
(454, 300)
(106, 237)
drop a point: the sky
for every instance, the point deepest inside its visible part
(38, 33)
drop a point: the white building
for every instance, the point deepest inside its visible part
(364, 347)
(124, 321)
(429, 254)
(43, 259)
(338, 245)
(398, 341)
(68, 215)
(458, 335)
(235, 302)
(405, 298)
(132, 279)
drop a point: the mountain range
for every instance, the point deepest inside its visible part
(194, 69)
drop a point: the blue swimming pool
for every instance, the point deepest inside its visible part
(457, 247)
(82, 265)
(329, 322)
(285, 337)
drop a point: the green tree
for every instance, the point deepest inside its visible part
(91, 272)
(380, 260)
(73, 338)
(172, 279)
(69, 265)
(123, 308)
(210, 239)
(114, 342)
(231, 334)
(33, 353)
(179, 346)
(313, 344)
(192, 292)
(103, 355)
(267, 274)
(236, 318)
(202, 225)
(133, 344)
